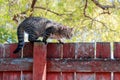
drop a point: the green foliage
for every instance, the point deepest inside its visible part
(102, 27)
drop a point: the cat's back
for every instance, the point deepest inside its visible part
(34, 21)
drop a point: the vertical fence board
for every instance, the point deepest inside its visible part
(116, 55)
(53, 76)
(11, 76)
(27, 53)
(1, 75)
(68, 50)
(28, 50)
(54, 50)
(103, 76)
(103, 50)
(67, 76)
(9, 48)
(8, 53)
(39, 62)
(116, 49)
(117, 76)
(84, 50)
(27, 76)
(85, 76)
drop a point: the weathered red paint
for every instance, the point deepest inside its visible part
(10, 49)
(53, 76)
(27, 75)
(69, 61)
(85, 76)
(67, 76)
(71, 65)
(103, 76)
(103, 50)
(69, 50)
(54, 50)
(116, 49)
(62, 65)
(39, 62)
(84, 50)
(11, 76)
(10, 64)
(116, 76)
(1, 75)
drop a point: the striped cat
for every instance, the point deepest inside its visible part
(41, 27)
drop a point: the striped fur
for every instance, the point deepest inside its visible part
(41, 27)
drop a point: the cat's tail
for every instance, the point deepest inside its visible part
(20, 34)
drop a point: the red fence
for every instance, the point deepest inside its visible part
(70, 61)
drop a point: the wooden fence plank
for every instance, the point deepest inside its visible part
(103, 50)
(28, 50)
(1, 75)
(27, 75)
(8, 54)
(67, 76)
(116, 56)
(116, 49)
(85, 50)
(54, 50)
(103, 76)
(71, 65)
(10, 64)
(9, 48)
(62, 65)
(117, 76)
(53, 76)
(69, 50)
(85, 76)
(39, 63)
(11, 76)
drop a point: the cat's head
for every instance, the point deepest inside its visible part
(60, 31)
(66, 32)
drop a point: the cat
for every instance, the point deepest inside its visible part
(41, 27)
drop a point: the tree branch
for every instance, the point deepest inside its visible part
(104, 7)
(43, 8)
(23, 14)
(20, 15)
(93, 19)
(32, 7)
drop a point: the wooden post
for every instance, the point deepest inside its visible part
(39, 61)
